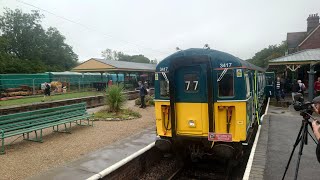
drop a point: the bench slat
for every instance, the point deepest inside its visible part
(13, 133)
(28, 113)
(26, 122)
(58, 117)
(25, 118)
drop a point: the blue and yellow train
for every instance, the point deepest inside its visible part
(207, 102)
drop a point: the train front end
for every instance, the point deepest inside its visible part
(204, 103)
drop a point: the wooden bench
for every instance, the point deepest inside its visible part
(34, 121)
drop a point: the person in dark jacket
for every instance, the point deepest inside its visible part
(47, 91)
(142, 93)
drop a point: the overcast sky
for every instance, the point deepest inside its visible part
(156, 28)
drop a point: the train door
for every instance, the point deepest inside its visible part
(191, 99)
(250, 101)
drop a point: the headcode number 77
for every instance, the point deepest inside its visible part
(195, 85)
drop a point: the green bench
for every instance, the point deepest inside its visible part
(33, 121)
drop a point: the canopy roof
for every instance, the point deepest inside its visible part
(102, 65)
(302, 57)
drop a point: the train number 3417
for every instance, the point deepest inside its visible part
(225, 65)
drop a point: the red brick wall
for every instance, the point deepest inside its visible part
(312, 42)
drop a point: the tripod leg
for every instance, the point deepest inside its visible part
(312, 138)
(304, 137)
(294, 147)
(311, 135)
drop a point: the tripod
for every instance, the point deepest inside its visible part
(302, 138)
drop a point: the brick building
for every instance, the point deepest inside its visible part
(309, 39)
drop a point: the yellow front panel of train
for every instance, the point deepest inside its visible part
(192, 119)
(163, 119)
(231, 117)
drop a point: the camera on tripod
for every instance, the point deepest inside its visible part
(305, 108)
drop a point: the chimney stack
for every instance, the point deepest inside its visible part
(313, 22)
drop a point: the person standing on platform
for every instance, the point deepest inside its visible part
(301, 87)
(279, 89)
(317, 87)
(47, 91)
(142, 93)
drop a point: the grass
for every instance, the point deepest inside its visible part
(30, 100)
(121, 115)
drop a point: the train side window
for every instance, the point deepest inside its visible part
(164, 84)
(269, 80)
(191, 83)
(225, 84)
(247, 85)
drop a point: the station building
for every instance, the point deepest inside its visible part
(302, 60)
(128, 73)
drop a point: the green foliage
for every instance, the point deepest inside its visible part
(115, 98)
(137, 101)
(120, 56)
(148, 99)
(123, 114)
(262, 57)
(26, 47)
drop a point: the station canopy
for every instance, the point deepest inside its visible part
(308, 56)
(102, 65)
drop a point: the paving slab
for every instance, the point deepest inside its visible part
(99, 160)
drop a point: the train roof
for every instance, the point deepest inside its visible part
(217, 58)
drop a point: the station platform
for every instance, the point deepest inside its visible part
(99, 160)
(279, 131)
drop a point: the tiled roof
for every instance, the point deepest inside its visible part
(295, 38)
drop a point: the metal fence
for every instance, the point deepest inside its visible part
(35, 86)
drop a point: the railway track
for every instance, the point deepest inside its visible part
(213, 170)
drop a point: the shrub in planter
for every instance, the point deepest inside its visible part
(115, 98)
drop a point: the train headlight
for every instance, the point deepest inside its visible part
(192, 123)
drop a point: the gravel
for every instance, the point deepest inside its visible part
(161, 170)
(24, 159)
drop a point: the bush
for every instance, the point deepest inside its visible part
(115, 98)
(137, 101)
(148, 99)
(151, 102)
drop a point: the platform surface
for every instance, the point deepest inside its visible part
(278, 134)
(99, 160)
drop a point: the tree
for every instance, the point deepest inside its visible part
(155, 61)
(110, 54)
(26, 47)
(60, 55)
(120, 56)
(262, 57)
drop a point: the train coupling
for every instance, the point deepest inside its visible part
(164, 145)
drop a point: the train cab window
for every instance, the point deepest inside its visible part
(164, 84)
(225, 83)
(191, 83)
